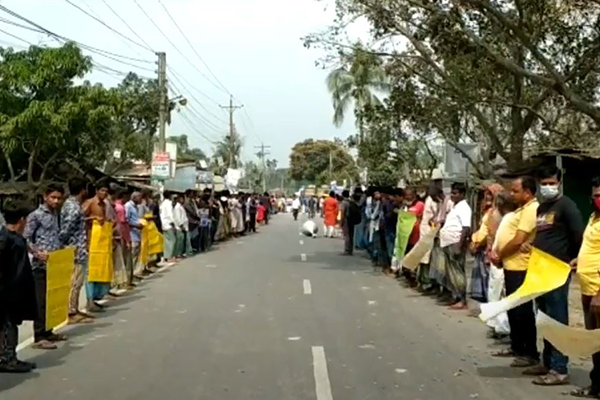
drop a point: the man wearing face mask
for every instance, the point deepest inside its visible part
(559, 231)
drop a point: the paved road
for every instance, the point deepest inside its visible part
(274, 316)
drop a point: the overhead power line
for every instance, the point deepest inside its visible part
(177, 48)
(192, 126)
(16, 37)
(40, 29)
(180, 77)
(192, 47)
(126, 24)
(196, 100)
(109, 27)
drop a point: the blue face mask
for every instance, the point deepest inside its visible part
(549, 192)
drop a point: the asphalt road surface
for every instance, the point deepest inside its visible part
(274, 316)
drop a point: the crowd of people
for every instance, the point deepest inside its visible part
(515, 217)
(185, 224)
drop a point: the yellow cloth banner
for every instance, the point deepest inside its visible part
(574, 342)
(101, 253)
(412, 260)
(544, 274)
(59, 270)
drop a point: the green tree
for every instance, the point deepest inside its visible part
(321, 161)
(184, 152)
(356, 80)
(516, 77)
(44, 118)
(227, 153)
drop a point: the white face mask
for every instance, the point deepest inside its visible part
(549, 192)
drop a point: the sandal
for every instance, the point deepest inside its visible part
(506, 353)
(552, 378)
(44, 345)
(523, 362)
(57, 337)
(536, 370)
(585, 393)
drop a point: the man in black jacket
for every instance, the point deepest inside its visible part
(17, 289)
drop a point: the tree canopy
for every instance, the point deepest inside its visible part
(321, 161)
(49, 125)
(517, 77)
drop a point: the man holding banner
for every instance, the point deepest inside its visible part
(520, 229)
(559, 231)
(453, 241)
(588, 265)
(42, 234)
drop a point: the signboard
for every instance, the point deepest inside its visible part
(206, 177)
(161, 166)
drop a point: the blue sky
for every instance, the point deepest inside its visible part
(252, 46)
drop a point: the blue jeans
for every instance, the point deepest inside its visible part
(555, 304)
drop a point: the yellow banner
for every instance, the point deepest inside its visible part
(101, 253)
(59, 270)
(145, 243)
(544, 274)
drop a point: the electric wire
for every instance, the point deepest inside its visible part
(192, 47)
(177, 48)
(109, 27)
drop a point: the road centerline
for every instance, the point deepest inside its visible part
(307, 287)
(322, 384)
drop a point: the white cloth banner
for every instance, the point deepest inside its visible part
(574, 342)
(412, 260)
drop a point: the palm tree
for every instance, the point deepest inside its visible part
(356, 82)
(228, 150)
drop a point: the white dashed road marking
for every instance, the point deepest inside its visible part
(307, 287)
(301, 242)
(322, 384)
(303, 257)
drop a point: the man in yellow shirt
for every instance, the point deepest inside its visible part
(588, 273)
(520, 230)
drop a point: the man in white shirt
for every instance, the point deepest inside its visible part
(453, 241)
(181, 226)
(168, 226)
(295, 207)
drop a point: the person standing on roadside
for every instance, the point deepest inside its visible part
(17, 289)
(519, 230)
(587, 265)
(454, 238)
(97, 209)
(168, 225)
(191, 210)
(559, 231)
(125, 235)
(330, 213)
(73, 233)
(352, 218)
(135, 225)
(42, 233)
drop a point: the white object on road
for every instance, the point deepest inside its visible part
(322, 383)
(310, 229)
(303, 257)
(294, 338)
(307, 287)
(302, 243)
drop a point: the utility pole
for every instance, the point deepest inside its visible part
(262, 154)
(330, 166)
(162, 108)
(231, 138)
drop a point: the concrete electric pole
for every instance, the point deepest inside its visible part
(263, 152)
(231, 138)
(162, 109)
